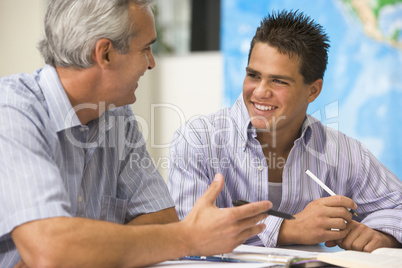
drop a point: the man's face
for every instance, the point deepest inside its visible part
(131, 66)
(273, 90)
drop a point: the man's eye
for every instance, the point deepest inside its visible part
(252, 75)
(279, 82)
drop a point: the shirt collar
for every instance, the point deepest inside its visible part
(241, 118)
(60, 110)
(307, 128)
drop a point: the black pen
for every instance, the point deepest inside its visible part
(270, 212)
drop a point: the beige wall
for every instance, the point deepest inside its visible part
(176, 90)
(21, 26)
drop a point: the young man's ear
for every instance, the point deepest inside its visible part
(103, 52)
(315, 90)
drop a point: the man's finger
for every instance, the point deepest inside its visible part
(21, 264)
(252, 231)
(252, 221)
(336, 235)
(211, 194)
(331, 243)
(252, 209)
(340, 201)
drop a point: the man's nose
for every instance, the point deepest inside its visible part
(263, 90)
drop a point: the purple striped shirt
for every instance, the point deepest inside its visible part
(52, 166)
(225, 142)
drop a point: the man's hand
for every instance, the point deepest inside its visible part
(213, 231)
(313, 225)
(80, 242)
(159, 217)
(21, 264)
(362, 238)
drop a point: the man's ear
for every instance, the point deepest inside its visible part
(103, 52)
(315, 90)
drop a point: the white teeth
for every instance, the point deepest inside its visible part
(264, 108)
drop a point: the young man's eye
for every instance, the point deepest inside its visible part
(279, 82)
(252, 75)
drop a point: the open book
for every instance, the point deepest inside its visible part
(379, 258)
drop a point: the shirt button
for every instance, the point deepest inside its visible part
(82, 129)
(80, 199)
(260, 168)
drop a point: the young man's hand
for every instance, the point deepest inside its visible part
(321, 220)
(362, 238)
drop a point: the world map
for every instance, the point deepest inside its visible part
(381, 19)
(362, 91)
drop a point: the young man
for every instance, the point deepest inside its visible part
(72, 193)
(264, 144)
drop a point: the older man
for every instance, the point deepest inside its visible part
(71, 191)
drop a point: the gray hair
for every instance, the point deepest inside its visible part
(73, 27)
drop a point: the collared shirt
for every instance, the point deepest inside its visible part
(225, 142)
(53, 166)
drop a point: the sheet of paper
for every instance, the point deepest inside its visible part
(278, 251)
(203, 264)
(242, 249)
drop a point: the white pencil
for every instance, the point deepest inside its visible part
(323, 186)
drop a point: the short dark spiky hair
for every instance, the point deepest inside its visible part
(295, 33)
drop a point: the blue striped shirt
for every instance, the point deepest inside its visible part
(225, 142)
(53, 166)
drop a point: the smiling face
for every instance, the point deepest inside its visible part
(128, 68)
(274, 91)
